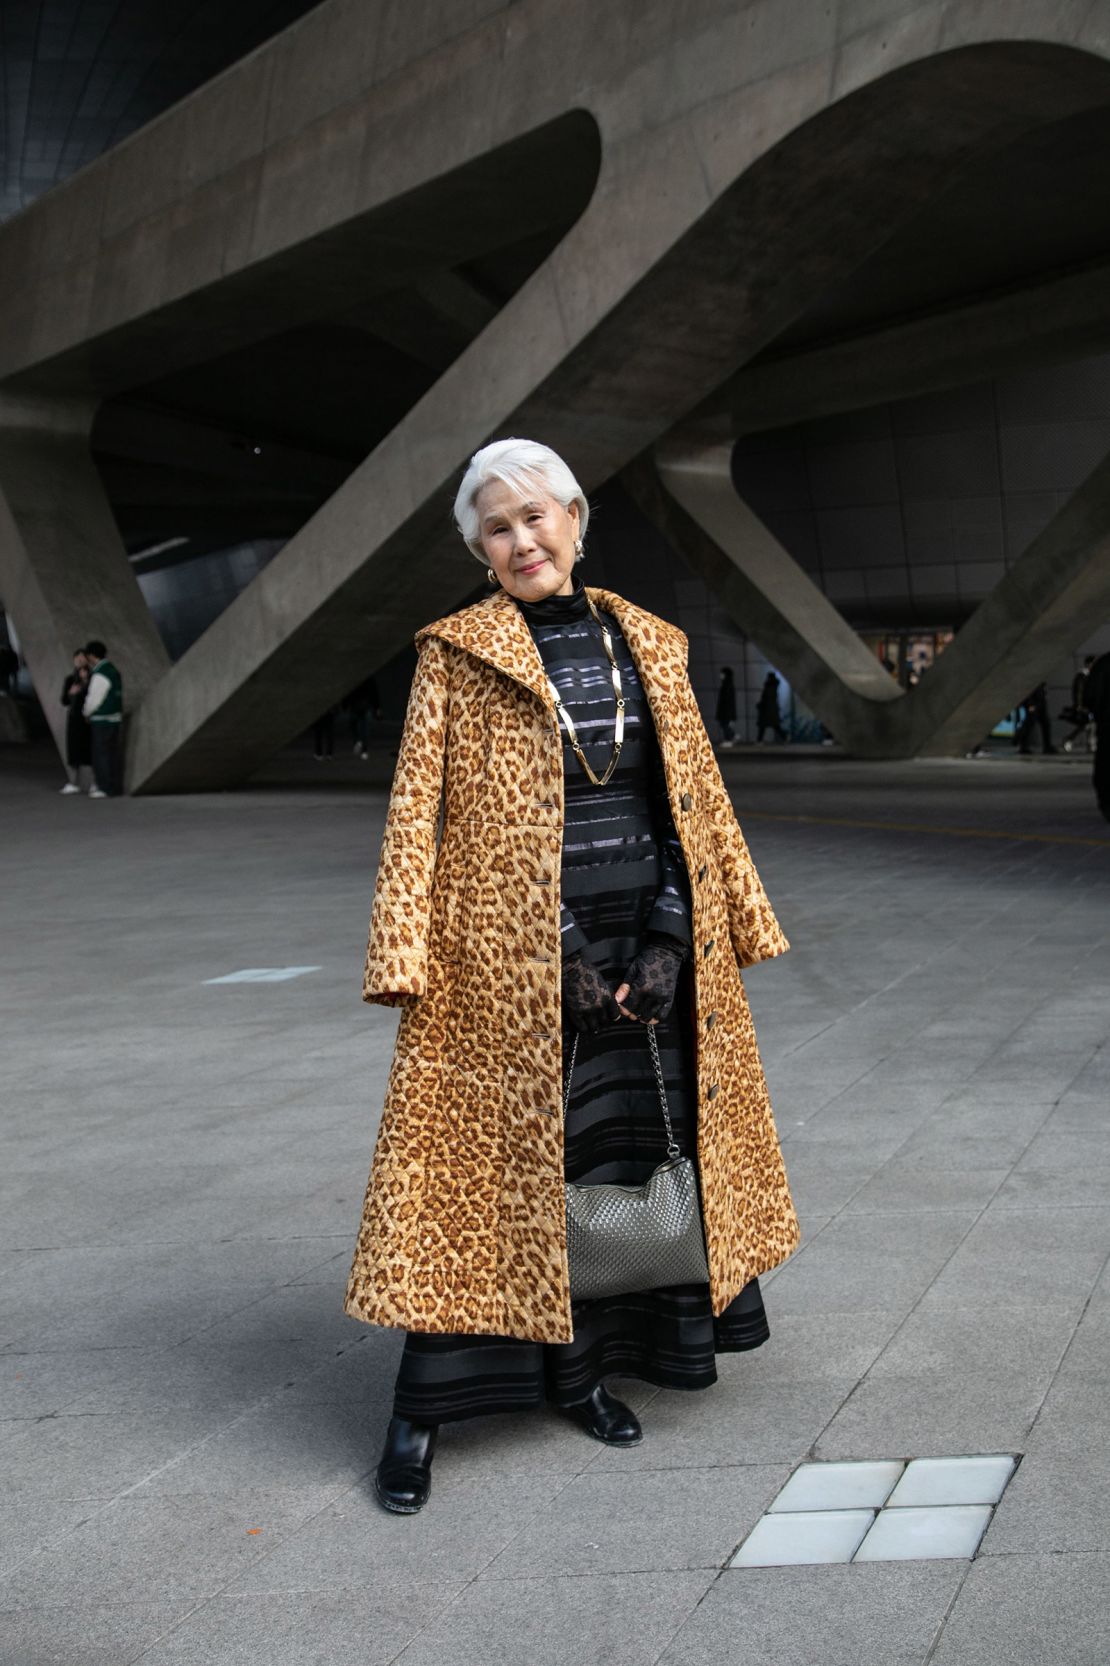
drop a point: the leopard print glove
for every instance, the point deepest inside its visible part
(587, 999)
(653, 977)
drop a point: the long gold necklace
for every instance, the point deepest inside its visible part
(618, 729)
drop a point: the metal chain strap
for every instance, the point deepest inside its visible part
(618, 692)
(674, 1150)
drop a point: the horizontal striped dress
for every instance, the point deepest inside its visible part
(623, 874)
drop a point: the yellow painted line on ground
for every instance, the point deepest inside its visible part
(922, 827)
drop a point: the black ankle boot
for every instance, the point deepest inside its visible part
(404, 1475)
(608, 1419)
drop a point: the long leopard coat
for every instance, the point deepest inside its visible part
(463, 1228)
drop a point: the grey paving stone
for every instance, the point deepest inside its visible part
(1088, 1353)
(898, 1188)
(659, 1520)
(949, 1342)
(546, 1621)
(1057, 1188)
(1059, 1499)
(1068, 1148)
(883, 1615)
(743, 1419)
(468, 1520)
(1016, 1609)
(934, 1417)
(368, 1623)
(95, 1456)
(39, 1384)
(27, 1524)
(806, 1346)
(184, 1547)
(1050, 1256)
(93, 1633)
(1060, 1502)
(868, 1261)
(191, 1374)
(275, 1444)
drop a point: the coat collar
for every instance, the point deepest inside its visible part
(495, 630)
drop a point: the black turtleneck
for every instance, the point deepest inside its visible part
(557, 610)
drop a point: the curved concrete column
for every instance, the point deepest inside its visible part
(1042, 609)
(64, 573)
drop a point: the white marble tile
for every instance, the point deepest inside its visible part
(953, 1481)
(838, 1486)
(264, 974)
(911, 1535)
(818, 1536)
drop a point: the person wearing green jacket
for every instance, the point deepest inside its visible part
(104, 709)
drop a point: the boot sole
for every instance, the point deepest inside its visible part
(604, 1440)
(398, 1509)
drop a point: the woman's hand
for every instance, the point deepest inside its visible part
(650, 982)
(587, 998)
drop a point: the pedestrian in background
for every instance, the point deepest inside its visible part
(1036, 716)
(360, 703)
(726, 707)
(78, 738)
(1097, 697)
(103, 706)
(9, 668)
(323, 736)
(1078, 712)
(767, 713)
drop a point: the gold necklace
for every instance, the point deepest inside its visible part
(618, 729)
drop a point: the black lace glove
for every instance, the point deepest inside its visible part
(587, 999)
(653, 976)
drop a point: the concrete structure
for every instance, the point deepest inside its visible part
(691, 191)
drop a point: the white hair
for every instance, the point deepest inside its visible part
(523, 465)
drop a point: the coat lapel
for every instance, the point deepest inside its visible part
(494, 630)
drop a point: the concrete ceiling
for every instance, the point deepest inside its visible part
(77, 76)
(1007, 220)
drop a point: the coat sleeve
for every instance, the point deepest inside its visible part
(670, 911)
(397, 953)
(755, 932)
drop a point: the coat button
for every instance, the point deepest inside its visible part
(686, 801)
(714, 1091)
(711, 1020)
(710, 944)
(703, 870)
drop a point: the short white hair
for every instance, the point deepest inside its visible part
(523, 465)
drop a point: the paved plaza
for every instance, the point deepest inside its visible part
(189, 1422)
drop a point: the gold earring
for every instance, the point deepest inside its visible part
(578, 549)
(492, 575)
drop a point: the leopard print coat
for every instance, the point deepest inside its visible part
(463, 1228)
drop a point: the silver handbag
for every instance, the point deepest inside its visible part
(621, 1239)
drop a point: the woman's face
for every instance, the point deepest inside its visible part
(528, 540)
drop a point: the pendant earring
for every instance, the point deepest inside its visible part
(578, 551)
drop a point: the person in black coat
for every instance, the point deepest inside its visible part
(726, 707)
(1036, 716)
(767, 713)
(1096, 698)
(78, 734)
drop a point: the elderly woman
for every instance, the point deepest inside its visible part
(590, 881)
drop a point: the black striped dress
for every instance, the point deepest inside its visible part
(623, 874)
